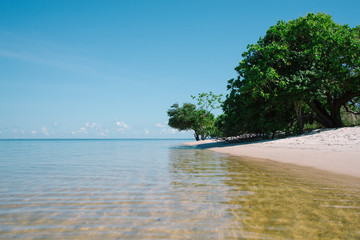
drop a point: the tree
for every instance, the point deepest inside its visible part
(182, 118)
(208, 101)
(310, 64)
(199, 119)
(188, 117)
(245, 113)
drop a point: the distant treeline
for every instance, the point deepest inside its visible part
(302, 72)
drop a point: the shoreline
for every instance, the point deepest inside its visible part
(332, 150)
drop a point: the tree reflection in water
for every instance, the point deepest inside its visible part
(240, 198)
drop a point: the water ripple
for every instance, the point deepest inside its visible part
(154, 189)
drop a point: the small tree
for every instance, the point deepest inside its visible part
(199, 119)
(188, 117)
(182, 118)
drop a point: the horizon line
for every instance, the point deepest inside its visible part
(6, 139)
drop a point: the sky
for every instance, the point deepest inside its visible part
(112, 69)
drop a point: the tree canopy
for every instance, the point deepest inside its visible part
(302, 69)
(197, 118)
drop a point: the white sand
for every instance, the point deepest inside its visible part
(333, 150)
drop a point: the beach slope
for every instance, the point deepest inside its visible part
(333, 150)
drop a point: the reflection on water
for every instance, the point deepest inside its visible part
(288, 207)
(148, 190)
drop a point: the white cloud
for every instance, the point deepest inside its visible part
(161, 125)
(121, 125)
(83, 130)
(173, 131)
(169, 130)
(103, 134)
(111, 129)
(44, 131)
(92, 125)
(166, 130)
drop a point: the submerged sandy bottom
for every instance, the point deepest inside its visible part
(206, 197)
(335, 150)
(152, 190)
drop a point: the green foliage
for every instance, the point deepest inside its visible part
(219, 127)
(182, 118)
(199, 119)
(249, 114)
(208, 101)
(204, 123)
(302, 69)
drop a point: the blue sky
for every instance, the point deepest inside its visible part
(111, 69)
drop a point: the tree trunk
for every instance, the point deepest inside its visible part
(299, 116)
(273, 135)
(196, 135)
(332, 120)
(322, 116)
(336, 115)
(336, 108)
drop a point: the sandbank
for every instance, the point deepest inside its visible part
(333, 150)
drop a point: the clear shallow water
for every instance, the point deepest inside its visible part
(153, 189)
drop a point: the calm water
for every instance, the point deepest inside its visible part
(153, 189)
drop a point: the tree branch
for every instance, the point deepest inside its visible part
(351, 111)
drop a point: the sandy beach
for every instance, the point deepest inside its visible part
(332, 150)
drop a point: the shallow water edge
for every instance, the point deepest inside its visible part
(160, 190)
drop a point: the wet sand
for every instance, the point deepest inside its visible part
(333, 150)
